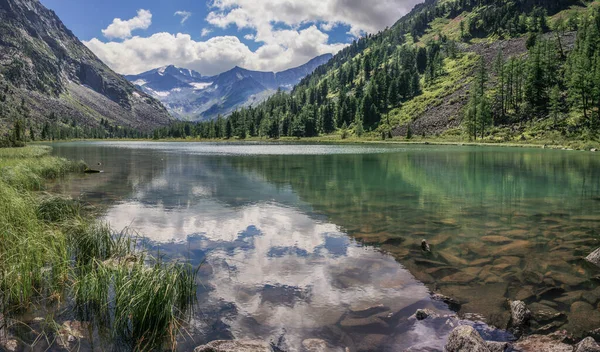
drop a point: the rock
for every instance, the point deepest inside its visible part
(570, 298)
(366, 311)
(452, 259)
(422, 314)
(519, 314)
(524, 293)
(318, 345)
(465, 339)
(587, 345)
(424, 246)
(495, 346)
(541, 343)
(10, 345)
(594, 257)
(593, 150)
(458, 278)
(582, 319)
(592, 296)
(543, 313)
(372, 322)
(496, 239)
(510, 260)
(235, 346)
(451, 302)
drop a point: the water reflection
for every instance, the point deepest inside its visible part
(293, 240)
(272, 269)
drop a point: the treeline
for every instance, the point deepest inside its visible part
(358, 88)
(22, 128)
(549, 84)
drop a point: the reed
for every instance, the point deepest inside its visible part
(49, 249)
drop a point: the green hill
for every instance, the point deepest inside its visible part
(455, 69)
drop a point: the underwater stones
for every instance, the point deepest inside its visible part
(591, 296)
(453, 260)
(524, 293)
(458, 278)
(594, 257)
(451, 302)
(519, 316)
(361, 324)
(363, 311)
(543, 313)
(567, 279)
(422, 314)
(510, 260)
(235, 346)
(424, 246)
(582, 318)
(516, 248)
(494, 239)
(465, 339)
(10, 345)
(587, 345)
(570, 297)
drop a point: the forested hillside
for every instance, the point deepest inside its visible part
(470, 69)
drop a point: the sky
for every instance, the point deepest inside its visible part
(213, 36)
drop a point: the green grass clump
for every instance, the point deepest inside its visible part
(57, 209)
(51, 252)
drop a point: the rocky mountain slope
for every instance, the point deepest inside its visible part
(48, 75)
(189, 95)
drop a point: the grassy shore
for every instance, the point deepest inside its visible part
(53, 256)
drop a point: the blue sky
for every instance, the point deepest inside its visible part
(133, 36)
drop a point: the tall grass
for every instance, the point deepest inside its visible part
(48, 249)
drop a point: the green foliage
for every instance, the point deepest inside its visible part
(48, 250)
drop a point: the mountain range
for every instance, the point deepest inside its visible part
(46, 73)
(188, 95)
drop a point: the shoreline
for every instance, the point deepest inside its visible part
(322, 140)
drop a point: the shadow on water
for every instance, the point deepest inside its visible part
(304, 242)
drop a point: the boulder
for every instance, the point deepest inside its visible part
(318, 345)
(519, 315)
(587, 345)
(235, 346)
(422, 314)
(545, 343)
(495, 346)
(465, 339)
(594, 257)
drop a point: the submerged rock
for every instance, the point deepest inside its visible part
(465, 339)
(587, 345)
(422, 314)
(594, 257)
(235, 346)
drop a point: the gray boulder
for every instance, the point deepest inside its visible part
(594, 257)
(588, 345)
(494, 346)
(235, 346)
(465, 339)
(520, 315)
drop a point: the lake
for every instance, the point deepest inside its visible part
(305, 241)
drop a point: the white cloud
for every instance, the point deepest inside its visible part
(185, 15)
(279, 48)
(360, 15)
(213, 56)
(122, 29)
